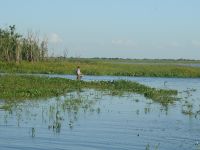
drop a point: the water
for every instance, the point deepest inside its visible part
(191, 65)
(90, 119)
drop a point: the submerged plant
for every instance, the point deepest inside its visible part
(33, 132)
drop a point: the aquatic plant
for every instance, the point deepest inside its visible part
(33, 132)
(14, 88)
(159, 95)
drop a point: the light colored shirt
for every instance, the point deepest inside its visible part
(79, 71)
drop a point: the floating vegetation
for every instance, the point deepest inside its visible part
(156, 147)
(187, 109)
(14, 88)
(187, 112)
(189, 92)
(158, 95)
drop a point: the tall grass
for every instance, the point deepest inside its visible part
(100, 67)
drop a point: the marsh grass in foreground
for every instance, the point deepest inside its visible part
(15, 88)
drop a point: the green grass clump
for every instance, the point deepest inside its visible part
(14, 87)
(159, 95)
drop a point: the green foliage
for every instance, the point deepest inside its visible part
(14, 47)
(100, 67)
(31, 87)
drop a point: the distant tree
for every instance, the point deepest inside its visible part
(15, 47)
(9, 44)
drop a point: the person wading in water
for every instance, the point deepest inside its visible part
(78, 73)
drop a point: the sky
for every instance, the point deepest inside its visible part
(154, 29)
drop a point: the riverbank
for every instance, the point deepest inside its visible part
(145, 68)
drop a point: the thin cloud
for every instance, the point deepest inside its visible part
(55, 38)
(175, 44)
(196, 43)
(123, 42)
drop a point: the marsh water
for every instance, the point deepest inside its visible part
(88, 119)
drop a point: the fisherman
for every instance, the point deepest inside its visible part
(78, 73)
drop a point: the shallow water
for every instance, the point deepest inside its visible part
(90, 119)
(191, 65)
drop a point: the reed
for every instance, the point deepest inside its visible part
(101, 67)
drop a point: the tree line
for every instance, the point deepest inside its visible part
(14, 47)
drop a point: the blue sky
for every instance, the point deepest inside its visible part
(110, 28)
